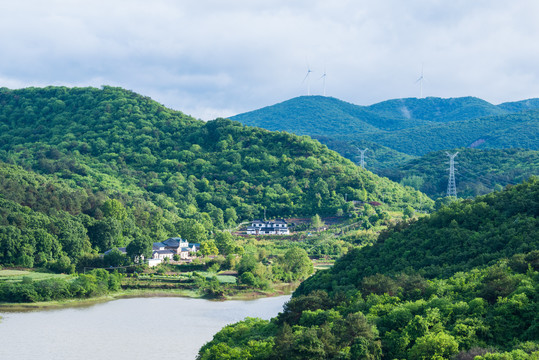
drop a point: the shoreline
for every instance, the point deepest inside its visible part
(279, 290)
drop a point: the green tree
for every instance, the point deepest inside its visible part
(316, 222)
(115, 258)
(140, 246)
(436, 346)
(224, 242)
(208, 247)
(105, 234)
(114, 209)
(296, 261)
(408, 212)
(191, 230)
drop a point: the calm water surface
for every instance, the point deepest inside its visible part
(139, 328)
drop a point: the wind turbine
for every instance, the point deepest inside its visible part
(324, 79)
(420, 81)
(307, 78)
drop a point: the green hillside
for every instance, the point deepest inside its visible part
(519, 130)
(517, 106)
(122, 167)
(321, 115)
(410, 126)
(459, 284)
(377, 157)
(478, 171)
(437, 109)
(465, 235)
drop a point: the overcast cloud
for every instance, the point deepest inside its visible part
(219, 58)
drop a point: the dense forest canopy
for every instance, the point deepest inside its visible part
(461, 283)
(459, 237)
(479, 171)
(112, 167)
(411, 126)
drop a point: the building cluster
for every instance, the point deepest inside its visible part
(275, 227)
(170, 247)
(166, 250)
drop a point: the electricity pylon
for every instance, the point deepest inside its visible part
(451, 184)
(362, 161)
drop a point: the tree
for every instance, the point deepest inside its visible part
(436, 346)
(191, 230)
(408, 212)
(224, 242)
(208, 247)
(231, 216)
(115, 258)
(316, 222)
(140, 246)
(115, 209)
(297, 263)
(105, 234)
(413, 180)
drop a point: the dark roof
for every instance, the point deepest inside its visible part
(267, 228)
(122, 250)
(270, 222)
(173, 242)
(166, 251)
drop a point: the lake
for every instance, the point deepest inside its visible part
(137, 328)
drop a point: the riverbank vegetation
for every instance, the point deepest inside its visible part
(238, 265)
(262, 265)
(461, 283)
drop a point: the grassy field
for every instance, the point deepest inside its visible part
(322, 266)
(223, 279)
(18, 275)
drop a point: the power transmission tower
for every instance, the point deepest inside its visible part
(362, 161)
(451, 184)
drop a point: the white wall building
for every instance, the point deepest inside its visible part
(275, 227)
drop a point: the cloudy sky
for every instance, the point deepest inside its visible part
(211, 58)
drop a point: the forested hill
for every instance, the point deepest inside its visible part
(462, 236)
(478, 171)
(116, 165)
(411, 126)
(321, 115)
(461, 283)
(447, 110)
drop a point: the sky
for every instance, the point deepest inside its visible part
(218, 58)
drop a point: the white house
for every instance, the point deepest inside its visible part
(163, 254)
(166, 250)
(277, 227)
(171, 247)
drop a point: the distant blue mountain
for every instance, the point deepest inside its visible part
(411, 126)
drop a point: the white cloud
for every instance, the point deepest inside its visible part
(210, 58)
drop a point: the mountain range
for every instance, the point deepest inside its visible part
(411, 126)
(400, 134)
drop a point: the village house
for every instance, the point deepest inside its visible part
(166, 250)
(171, 247)
(275, 227)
